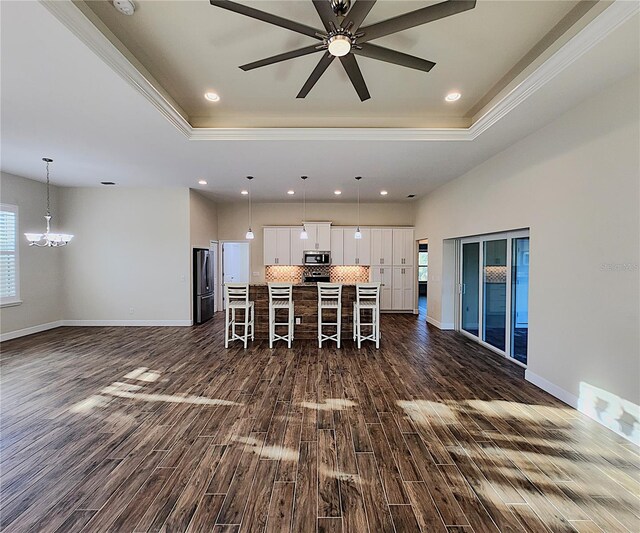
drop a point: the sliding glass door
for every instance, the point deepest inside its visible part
(520, 299)
(494, 291)
(470, 321)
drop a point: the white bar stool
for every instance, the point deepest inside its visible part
(280, 297)
(236, 296)
(368, 299)
(329, 297)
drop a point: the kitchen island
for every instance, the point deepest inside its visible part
(305, 301)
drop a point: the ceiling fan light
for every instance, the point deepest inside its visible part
(339, 45)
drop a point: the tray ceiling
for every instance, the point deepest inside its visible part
(190, 47)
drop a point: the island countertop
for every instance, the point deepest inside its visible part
(305, 302)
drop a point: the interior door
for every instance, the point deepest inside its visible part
(235, 263)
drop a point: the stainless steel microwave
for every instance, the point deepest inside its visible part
(317, 258)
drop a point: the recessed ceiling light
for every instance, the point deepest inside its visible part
(337, 193)
(202, 182)
(291, 192)
(212, 97)
(383, 193)
(244, 192)
(126, 7)
(452, 97)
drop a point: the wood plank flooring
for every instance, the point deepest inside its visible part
(163, 430)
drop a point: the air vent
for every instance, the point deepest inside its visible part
(108, 182)
(411, 196)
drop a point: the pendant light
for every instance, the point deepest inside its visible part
(249, 235)
(358, 234)
(303, 234)
(47, 238)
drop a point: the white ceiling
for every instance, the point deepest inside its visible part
(60, 100)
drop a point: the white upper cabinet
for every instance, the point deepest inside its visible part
(298, 246)
(403, 247)
(319, 236)
(337, 246)
(357, 251)
(277, 246)
(381, 246)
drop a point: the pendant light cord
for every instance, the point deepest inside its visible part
(48, 199)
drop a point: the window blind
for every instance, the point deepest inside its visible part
(8, 252)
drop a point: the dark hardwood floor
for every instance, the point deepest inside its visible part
(162, 429)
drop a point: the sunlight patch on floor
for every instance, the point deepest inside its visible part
(330, 404)
(268, 452)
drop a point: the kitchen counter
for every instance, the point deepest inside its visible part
(305, 301)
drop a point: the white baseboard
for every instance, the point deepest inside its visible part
(551, 388)
(438, 324)
(138, 323)
(29, 331)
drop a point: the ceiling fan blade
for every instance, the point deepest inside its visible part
(357, 14)
(323, 7)
(281, 57)
(322, 65)
(353, 71)
(267, 17)
(415, 18)
(391, 56)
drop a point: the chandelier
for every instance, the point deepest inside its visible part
(47, 238)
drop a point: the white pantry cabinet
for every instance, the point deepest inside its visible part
(357, 251)
(403, 284)
(277, 246)
(382, 246)
(403, 247)
(384, 276)
(319, 236)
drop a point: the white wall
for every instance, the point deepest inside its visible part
(131, 250)
(40, 269)
(575, 183)
(233, 219)
(203, 220)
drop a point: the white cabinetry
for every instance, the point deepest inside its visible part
(384, 276)
(403, 283)
(357, 251)
(277, 246)
(381, 246)
(337, 246)
(319, 236)
(403, 247)
(298, 246)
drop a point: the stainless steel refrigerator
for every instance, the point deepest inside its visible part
(203, 291)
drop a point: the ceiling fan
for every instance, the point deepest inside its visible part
(345, 37)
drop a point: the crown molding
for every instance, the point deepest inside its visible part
(612, 17)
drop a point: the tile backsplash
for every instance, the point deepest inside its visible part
(296, 274)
